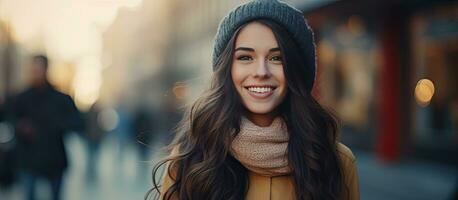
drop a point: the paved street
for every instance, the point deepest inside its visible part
(125, 176)
(405, 180)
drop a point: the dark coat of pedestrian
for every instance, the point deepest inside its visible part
(41, 116)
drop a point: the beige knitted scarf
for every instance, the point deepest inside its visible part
(262, 150)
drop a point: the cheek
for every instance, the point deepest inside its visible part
(237, 76)
(280, 78)
(236, 80)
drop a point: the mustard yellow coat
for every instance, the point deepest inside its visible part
(281, 187)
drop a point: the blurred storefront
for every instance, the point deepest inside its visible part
(7, 60)
(195, 24)
(133, 59)
(388, 69)
(434, 36)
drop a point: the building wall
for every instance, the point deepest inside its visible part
(373, 60)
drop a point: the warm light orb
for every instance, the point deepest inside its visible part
(424, 91)
(179, 90)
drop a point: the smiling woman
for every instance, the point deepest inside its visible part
(257, 132)
(257, 72)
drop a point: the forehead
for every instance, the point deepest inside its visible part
(256, 35)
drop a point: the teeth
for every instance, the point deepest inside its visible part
(260, 89)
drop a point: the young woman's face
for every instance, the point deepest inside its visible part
(257, 70)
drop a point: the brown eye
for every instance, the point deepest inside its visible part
(276, 58)
(244, 58)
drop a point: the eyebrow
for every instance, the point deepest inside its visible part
(251, 49)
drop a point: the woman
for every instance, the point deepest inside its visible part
(257, 133)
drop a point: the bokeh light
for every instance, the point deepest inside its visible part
(424, 91)
(108, 119)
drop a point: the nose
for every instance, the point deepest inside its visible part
(262, 70)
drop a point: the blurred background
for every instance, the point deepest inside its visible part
(389, 69)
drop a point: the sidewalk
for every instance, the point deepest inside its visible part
(120, 175)
(125, 177)
(410, 179)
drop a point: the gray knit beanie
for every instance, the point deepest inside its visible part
(280, 12)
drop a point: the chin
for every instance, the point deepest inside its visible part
(260, 109)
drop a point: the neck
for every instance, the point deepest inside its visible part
(40, 84)
(262, 120)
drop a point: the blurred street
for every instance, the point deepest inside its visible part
(409, 179)
(127, 179)
(123, 71)
(118, 175)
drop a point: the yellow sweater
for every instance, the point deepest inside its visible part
(281, 187)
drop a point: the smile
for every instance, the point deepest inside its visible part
(260, 91)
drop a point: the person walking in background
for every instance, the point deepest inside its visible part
(41, 116)
(144, 132)
(7, 176)
(257, 132)
(93, 136)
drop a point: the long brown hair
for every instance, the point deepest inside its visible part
(203, 168)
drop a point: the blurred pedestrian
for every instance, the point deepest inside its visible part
(41, 117)
(7, 176)
(257, 132)
(123, 133)
(93, 136)
(454, 111)
(143, 129)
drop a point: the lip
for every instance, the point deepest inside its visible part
(260, 96)
(270, 86)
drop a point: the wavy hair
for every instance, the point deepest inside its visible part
(203, 168)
